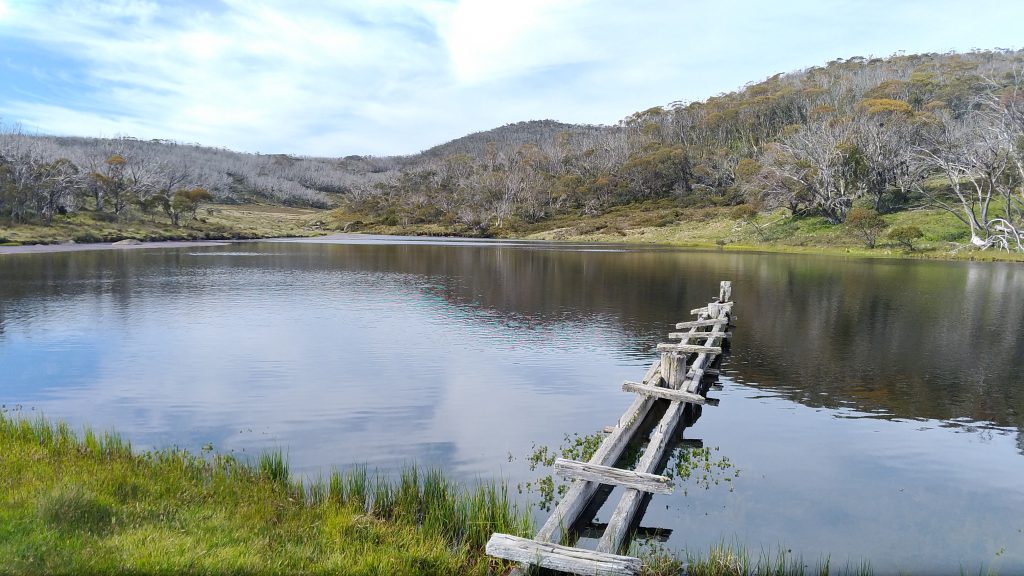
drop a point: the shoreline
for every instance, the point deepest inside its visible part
(655, 224)
(377, 237)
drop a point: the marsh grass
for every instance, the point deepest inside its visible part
(86, 503)
(734, 560)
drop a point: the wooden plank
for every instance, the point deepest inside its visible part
(715, 315)
(702, 323)
(689, 349)
(562, 558)
(666, 393)
(613, 476)
(698, 335)
(704, 310)
(615, 535)
(596, 529)
(580, 493)
(708, 372)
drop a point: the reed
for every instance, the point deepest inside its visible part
(725, 559)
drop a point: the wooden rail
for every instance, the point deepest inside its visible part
(678, 376)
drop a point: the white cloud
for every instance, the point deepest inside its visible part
(244, 78)
(397, 76)
(488, 40)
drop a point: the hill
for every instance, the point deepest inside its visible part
(887, 134)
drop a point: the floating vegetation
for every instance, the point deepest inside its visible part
(704, 466)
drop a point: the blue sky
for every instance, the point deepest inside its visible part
(398, 76)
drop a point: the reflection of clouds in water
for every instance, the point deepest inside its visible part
(343, 367)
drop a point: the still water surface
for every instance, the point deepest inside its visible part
(874, 408)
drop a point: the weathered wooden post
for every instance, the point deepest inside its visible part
(725, 291)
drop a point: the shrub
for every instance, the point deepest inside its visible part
(866, 224)
(87, 237)
(744, 212)
(905, 236)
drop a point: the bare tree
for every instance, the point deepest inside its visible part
(56, 183)
(974, 159)
(821, 166)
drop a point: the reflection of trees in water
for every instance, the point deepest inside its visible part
(917, 340)
(903, 339)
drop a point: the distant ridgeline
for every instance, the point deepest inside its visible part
(945, 130)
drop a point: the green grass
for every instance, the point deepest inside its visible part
(86, 504)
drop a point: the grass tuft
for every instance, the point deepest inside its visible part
(73, 508)
(273, 466)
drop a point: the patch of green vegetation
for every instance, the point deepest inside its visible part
(741, 228)
(702, 465)
(575, 447)
(88, 504)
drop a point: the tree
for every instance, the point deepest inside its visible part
(885, 134)
(116, 182)
(56, 183)
(186, 202)
(658, 172)
(975, 161)
(818, 166)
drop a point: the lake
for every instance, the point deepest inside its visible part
(874, 408)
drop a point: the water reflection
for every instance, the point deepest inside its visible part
(849, 379)
(911, 340)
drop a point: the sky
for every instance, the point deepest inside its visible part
(384, 77)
